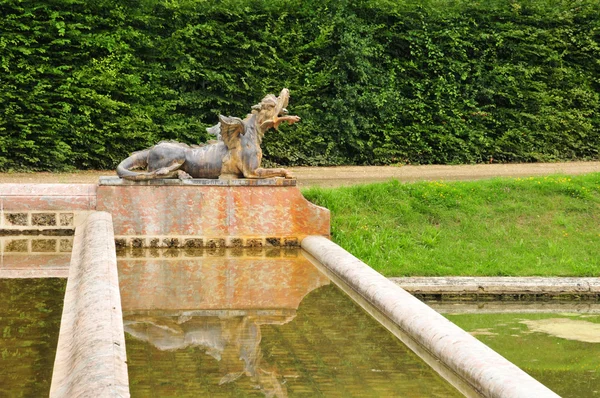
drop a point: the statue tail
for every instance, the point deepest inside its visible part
(136, 160)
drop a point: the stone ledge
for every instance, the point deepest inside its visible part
(515, 307)
(37, 219)
(472, 367)
(50, 190)
(91, 360)
(499, 286)
(244, 182)
(192, 241)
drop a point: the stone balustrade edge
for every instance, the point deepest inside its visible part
(91, 359)
(486, 372)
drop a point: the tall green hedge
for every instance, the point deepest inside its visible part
(83, 83)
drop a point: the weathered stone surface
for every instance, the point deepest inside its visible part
(16, 219)
(66, 219)
(41, 197)
(196, 243)
(497, 285)
(90, 358)
(213, 212)
(257, 212)
(480, 370)
(43, 219)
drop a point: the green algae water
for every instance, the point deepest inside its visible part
(257, 325)
(30, 313)
(561, 350)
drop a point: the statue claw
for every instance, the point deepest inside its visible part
(182, 175)
(293, 119)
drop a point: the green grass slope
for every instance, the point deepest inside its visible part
(542, 226)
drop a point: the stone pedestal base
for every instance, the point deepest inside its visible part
(210, 213)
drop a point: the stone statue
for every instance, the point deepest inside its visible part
(235, 153)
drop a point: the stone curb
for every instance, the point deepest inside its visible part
(484, 371)
(91, 359)
(499, 285)
(247, 182)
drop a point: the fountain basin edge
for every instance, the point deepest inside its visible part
(471, 366)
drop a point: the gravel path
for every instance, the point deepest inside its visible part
(350, 175)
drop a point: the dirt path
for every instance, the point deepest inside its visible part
(350, 175)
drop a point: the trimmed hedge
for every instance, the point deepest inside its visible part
(82, 84)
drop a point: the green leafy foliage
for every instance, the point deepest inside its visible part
(82, 84)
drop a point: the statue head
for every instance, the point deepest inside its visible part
(271, 107)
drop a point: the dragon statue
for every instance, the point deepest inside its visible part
(235, 153)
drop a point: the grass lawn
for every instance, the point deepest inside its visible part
(537, 226)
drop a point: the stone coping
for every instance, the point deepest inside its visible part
(90, 358)
(514, 307)
(499, 285)
(471, 366)
(244, 182)
(33, 189)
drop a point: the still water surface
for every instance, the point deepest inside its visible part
(30, 312)
(257, 324)
(560, 350)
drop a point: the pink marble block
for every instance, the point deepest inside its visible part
(38, 197)
(212, 211)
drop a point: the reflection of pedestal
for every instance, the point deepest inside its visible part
(210, 213)
(217, 283)
(35, 257)
(217, 304)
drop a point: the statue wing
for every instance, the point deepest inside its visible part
(231, 129)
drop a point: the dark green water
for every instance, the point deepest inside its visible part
(325, 346)
(30, 312)
(562, 351)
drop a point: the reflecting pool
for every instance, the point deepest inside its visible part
(256, 323)
(30, 313)
(561, 350)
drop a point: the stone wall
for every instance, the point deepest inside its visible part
(210, 213)
(44, 209)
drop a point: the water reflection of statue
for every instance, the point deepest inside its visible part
(217, 304)
(233, 341)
